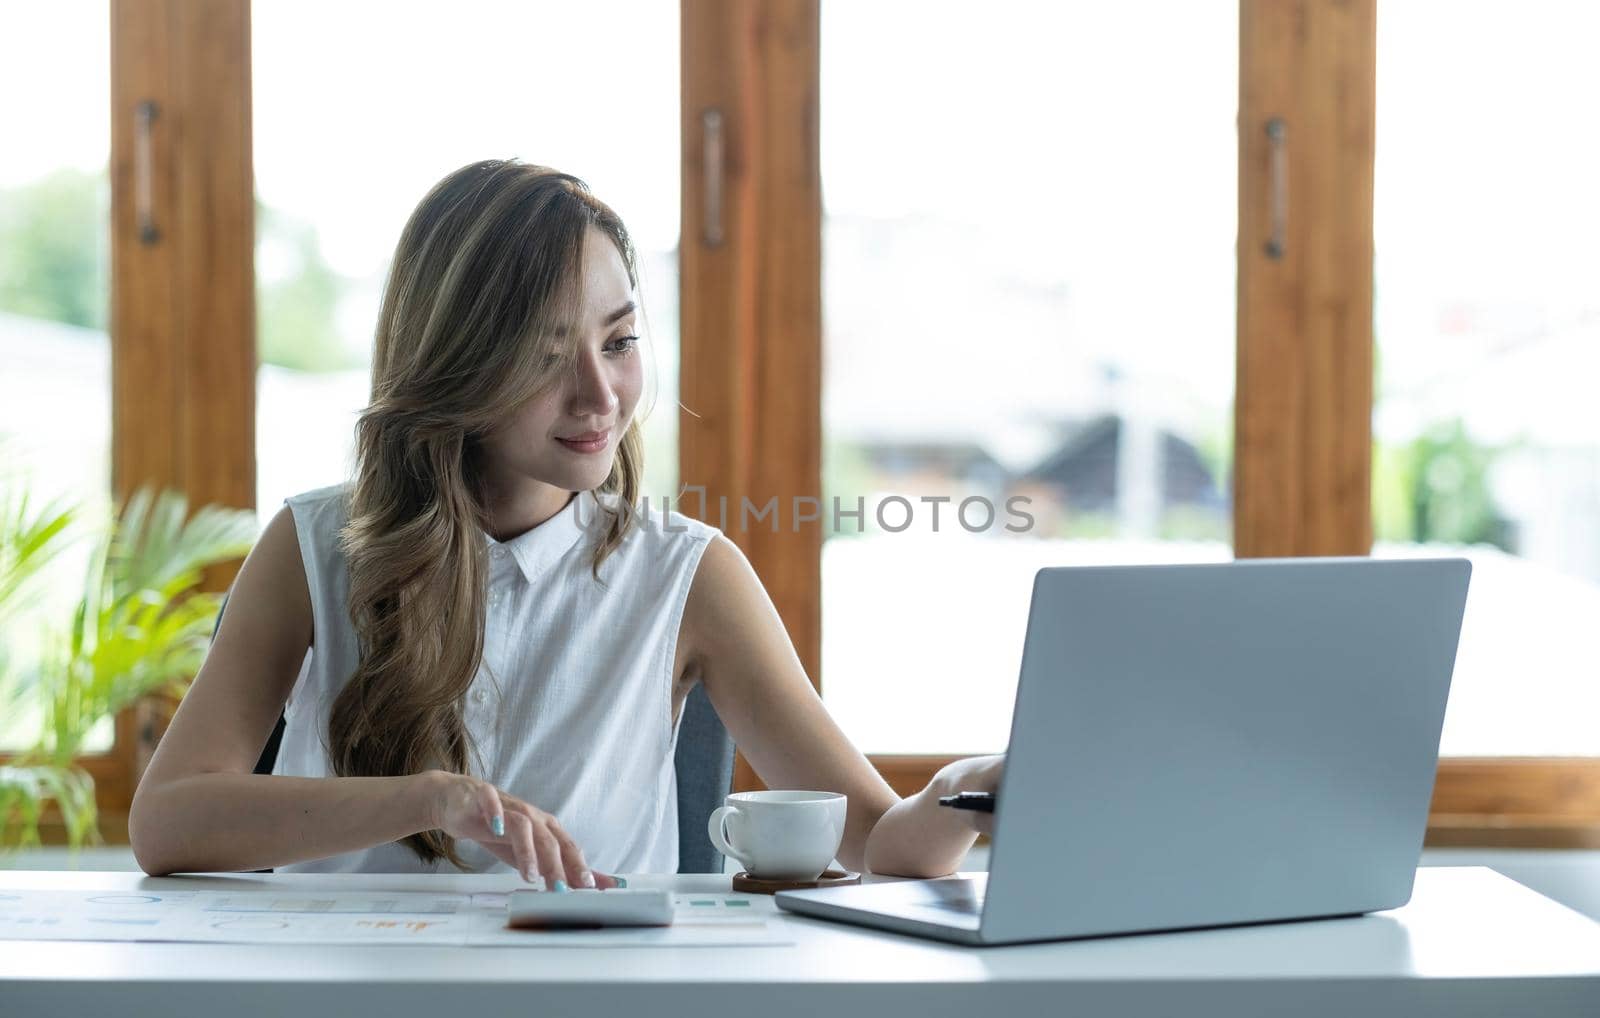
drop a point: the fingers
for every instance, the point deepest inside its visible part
(578, 872)
(501, 851)
(536, 849)
(493, 811)
(532, 841)
(551, 866)
(520, 835)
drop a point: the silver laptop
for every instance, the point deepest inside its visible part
(1203, 745)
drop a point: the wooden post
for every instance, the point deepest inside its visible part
(750, 261)
(183, 356)
(1303, 425)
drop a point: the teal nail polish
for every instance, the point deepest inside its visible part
(561, 885)
(498, 827)
(621, 882)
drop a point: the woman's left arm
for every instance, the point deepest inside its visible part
(738, 648)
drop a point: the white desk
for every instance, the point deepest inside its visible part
(1470, 943)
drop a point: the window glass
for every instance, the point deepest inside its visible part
(55, 356)
(1029, 312)
(1487, 316)
(356, 120)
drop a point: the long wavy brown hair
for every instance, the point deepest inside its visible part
(487, 271)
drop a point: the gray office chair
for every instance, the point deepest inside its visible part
(704, 762)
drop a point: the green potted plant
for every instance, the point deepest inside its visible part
(141, 627)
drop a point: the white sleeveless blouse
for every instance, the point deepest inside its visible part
(571, 710)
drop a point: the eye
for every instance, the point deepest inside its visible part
(622, 345)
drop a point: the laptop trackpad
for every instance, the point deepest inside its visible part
(958, 895)
(942, 898)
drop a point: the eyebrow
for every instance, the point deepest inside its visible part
(611, 319)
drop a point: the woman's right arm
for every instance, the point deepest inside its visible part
(200, 808)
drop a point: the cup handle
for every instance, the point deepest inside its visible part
(719, 834)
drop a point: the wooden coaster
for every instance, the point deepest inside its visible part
(743, 881)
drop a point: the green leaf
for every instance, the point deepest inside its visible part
(140, 627)
(29, 542)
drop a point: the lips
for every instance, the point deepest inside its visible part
(589, 441)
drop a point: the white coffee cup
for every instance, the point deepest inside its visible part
(780, 835)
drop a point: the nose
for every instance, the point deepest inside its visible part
(592, 391)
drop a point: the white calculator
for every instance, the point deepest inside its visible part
(589, 907)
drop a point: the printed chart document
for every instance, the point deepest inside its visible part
(722, 919)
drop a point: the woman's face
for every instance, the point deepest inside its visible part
(567, 436)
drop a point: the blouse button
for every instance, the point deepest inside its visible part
(479, 696)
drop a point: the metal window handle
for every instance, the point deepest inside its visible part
(711, 132)
(143, 172)
(1278, 139)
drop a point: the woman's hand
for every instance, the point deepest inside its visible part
(974, 774)
(917, 837)
(524, 837)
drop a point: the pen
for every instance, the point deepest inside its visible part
(983, 802)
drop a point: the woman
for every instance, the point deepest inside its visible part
(483, 649)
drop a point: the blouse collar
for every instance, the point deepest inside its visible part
(538, 549)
